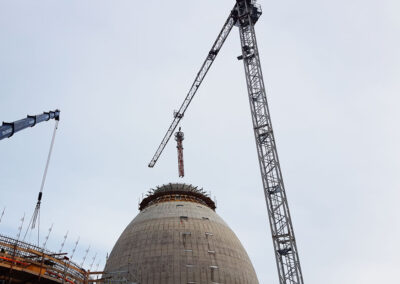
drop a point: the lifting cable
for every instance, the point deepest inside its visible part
(36, 213)
(2, 214)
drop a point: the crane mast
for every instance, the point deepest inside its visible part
(284, 241)
(244, 15)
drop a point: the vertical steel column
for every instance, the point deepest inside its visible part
(179, 136)
(278, 210)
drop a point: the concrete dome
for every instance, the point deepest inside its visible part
(177, 238)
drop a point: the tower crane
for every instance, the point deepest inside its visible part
(245, 15)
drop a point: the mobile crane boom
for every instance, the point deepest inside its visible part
(244, 15)
(9, 128)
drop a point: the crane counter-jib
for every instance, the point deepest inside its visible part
(9, 128)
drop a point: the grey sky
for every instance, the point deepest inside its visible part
(118, 69)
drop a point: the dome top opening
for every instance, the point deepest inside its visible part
(177, 192)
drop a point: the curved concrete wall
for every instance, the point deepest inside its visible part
(179, 242)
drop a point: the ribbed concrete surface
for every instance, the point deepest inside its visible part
(180, 242)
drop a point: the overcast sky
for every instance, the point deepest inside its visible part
(118, 69)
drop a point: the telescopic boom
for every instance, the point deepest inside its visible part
(9, 128)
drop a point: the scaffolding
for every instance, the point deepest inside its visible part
(20, 261)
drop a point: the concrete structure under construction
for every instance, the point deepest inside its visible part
(177, 238)
(22, 262)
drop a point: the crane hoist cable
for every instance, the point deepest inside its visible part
(2, 214)
(36, 213)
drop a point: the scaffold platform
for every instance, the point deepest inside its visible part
(22, 262)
